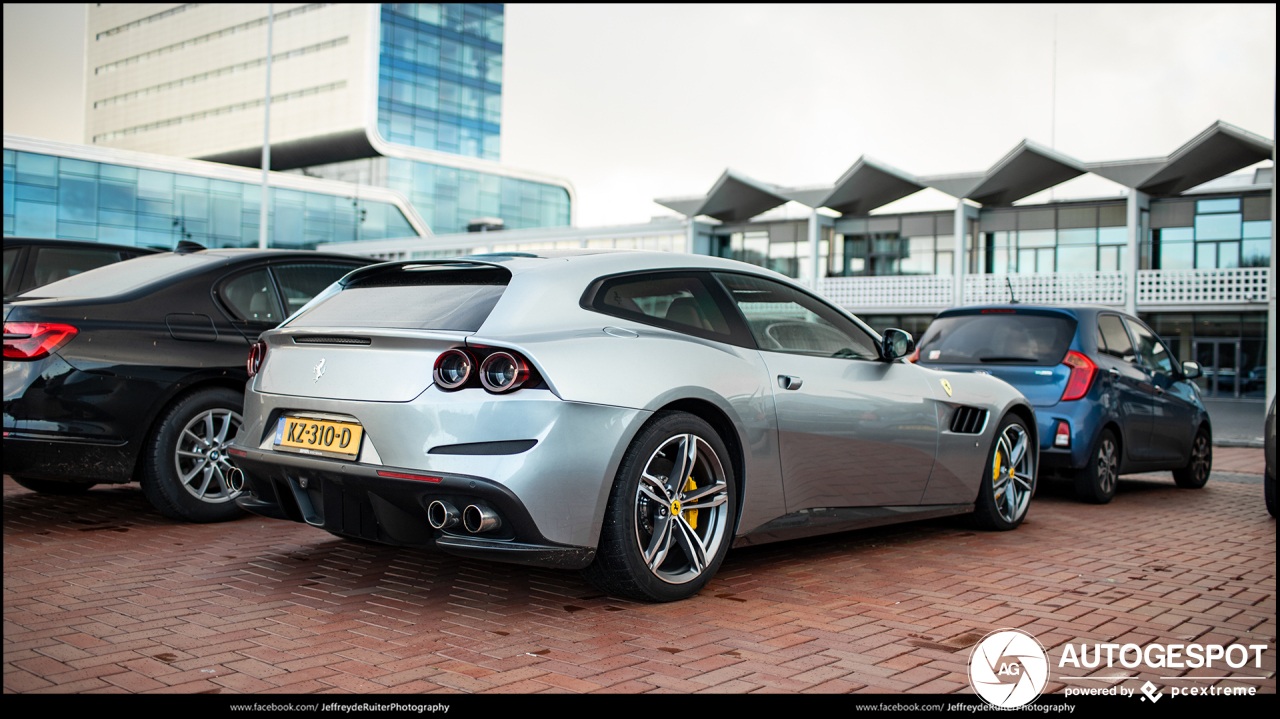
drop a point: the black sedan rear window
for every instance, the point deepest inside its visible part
(430, 297)
(998, 338)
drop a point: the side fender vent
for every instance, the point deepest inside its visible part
(323, 340)
(968, 420)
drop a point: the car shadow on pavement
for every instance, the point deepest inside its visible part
(113, 508)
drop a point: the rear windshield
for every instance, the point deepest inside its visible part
(121, 277)
(1005, 338)
(429, 298)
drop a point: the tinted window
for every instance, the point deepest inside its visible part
(252, 298)
(300, 282)
(1010, 338)
(783, 319)
(1112, 339)
(423, 297)
(681, 302)
(121, 277)
(56, 263)
(1150, 350)
(10, 259)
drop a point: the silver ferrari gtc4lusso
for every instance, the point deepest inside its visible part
(631, 414)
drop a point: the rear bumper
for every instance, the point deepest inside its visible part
(56, 457)
(355, 500)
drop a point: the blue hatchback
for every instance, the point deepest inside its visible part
(1110, 398)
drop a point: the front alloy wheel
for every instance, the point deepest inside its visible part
(1010, 480)
(1196, 473)
(1096, 483)
(670, 515)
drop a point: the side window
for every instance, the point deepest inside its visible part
(56, 263)
(300, 282)
(1150, 350)
(1113, 340)
(783, 319)
(10, 260)
(676, 301)
(252, 298)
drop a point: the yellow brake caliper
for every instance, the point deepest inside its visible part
(995, 474)
(691, 516)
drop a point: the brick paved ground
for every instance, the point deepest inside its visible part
(101, 594)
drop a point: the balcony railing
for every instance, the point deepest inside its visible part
(900, 291)
(1156, 288)
(1094, 288)
(1200, 287)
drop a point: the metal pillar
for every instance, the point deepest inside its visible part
(957, 274)
(1271, 291)
(813, 249)
(266, 138)
(1137, 202)
(689, 234)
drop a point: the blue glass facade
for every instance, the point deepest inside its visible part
(440, 88)
(62, 197)
(440, 77)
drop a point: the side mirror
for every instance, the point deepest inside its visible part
(895, 344)
(1191, 370)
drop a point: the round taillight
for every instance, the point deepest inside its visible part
(453, 369)
(257, 353)
(503, 372)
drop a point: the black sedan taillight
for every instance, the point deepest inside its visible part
(257, 354)
(35, 340)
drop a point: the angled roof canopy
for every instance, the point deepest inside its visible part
(1026, 170)
(869, 184)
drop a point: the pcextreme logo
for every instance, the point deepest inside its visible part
(1008, 668)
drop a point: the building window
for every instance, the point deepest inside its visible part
(61, 197)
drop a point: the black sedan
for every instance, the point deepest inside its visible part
(136, 371)
(32, 262)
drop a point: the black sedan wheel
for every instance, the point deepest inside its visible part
(1196, 473)
(1009, 480)
(670, 516)
(186, 472)
(1096, 483)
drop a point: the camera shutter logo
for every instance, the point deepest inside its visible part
(1008, 668)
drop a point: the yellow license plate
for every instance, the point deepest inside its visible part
(319, 436)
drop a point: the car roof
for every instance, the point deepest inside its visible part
(1077, 311)
(593, 263)
(56, 242)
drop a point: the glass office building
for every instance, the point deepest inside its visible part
(440, 88)
(133, 202)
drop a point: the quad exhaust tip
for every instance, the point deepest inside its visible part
(235, 480)
(477, 519)
(442, 515)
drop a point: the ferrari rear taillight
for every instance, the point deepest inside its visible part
(503, 372)
(257, 354)
(1082, 373)
(35, 340)
(453, 368)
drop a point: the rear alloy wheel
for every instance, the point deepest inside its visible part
(53, 486)
(186, 472)
(1009, 480)
(669, 521)
(1196, 473)
(1096, 483)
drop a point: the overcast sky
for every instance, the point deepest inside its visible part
(632, 102)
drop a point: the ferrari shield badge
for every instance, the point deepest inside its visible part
(947, 386)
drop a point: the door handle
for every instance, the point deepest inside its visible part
(788, 382)
(1114, 372)
(1159, 390)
